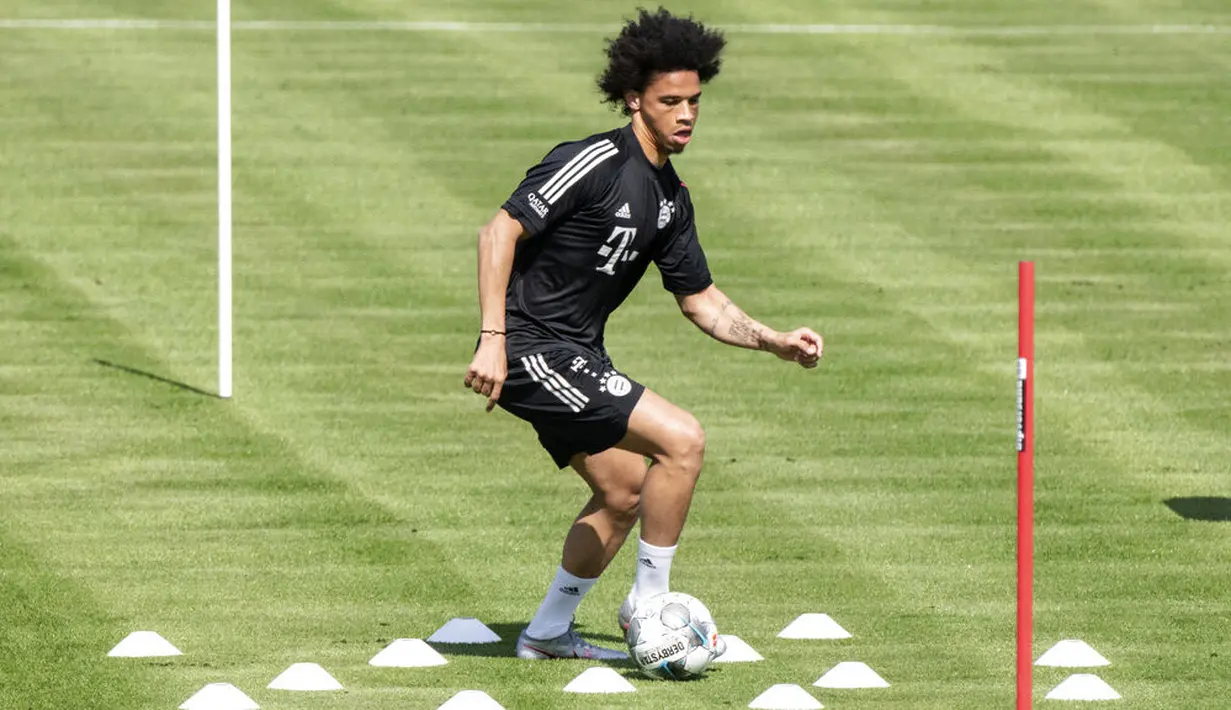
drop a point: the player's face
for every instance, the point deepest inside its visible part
(669, 108)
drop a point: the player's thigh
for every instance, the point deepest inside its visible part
(658, 428)
(616, 475)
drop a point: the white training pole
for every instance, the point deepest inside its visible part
(224, 198)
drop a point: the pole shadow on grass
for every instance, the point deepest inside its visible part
(156, 378)
(507, 645)
(1210, 508)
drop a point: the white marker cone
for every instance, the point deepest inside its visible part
(220, 696)
(599, 680)
(851, 674)
(408, 653)
(738, 651)
(305, 676)
(1083, 686)
(814, 626)
(1072, 653)
(464, 630)
(143, 644)
(785, 696)
(471, 700)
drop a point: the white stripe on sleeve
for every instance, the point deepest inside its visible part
(576, 169)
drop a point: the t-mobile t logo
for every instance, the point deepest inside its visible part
(616, 247)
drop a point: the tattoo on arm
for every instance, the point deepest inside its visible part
(746, 331)
(717, 317)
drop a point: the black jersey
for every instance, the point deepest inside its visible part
(597, 212)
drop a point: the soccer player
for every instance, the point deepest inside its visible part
(561, 254)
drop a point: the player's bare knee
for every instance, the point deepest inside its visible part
(694, 450)
(688, 448)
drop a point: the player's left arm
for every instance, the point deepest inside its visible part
(711, 311)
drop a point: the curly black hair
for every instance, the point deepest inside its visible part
(658, 42)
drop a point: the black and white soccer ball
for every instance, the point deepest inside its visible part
(672, 636)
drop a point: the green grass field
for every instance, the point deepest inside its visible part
(878, 187)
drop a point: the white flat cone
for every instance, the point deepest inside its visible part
(814, 626)
(464, 630)
(599, 680)
(738, 651)
(471, 700)
(1072, 653)
(1083, 686)
(220, 696)
(408, 653)
(305, 676)
(785, 696)
(144, 644)
(851, 674)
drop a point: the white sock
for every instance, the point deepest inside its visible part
(556, 612)
(653, 571)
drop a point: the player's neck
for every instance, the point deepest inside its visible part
(653, 152)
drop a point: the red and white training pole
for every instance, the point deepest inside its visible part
(1025, 481)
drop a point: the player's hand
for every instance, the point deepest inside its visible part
(489, 369)
(801, 345)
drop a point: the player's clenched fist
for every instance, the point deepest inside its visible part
(804, 346)
(488, 370)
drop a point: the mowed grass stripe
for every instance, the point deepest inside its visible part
(56, 633)
(49, 619)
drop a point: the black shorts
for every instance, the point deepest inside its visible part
(578, 403)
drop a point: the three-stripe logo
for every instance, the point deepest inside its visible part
(575, 169)
(554, 382)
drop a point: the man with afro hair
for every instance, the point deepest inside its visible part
(556, 260)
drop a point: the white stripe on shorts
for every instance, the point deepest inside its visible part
(532, 366)
(564, 384)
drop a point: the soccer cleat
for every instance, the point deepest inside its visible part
(566, 645)
(625, 616)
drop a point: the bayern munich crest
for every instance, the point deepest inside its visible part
(664, 213)
(615, 384)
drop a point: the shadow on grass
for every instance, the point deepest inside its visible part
(1208, 508)
(506, 646)
(632, 673)
(152, 376)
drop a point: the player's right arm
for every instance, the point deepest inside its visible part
(497, 246)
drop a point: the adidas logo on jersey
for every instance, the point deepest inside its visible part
(624, 212)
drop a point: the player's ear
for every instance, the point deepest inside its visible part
(632, 100)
